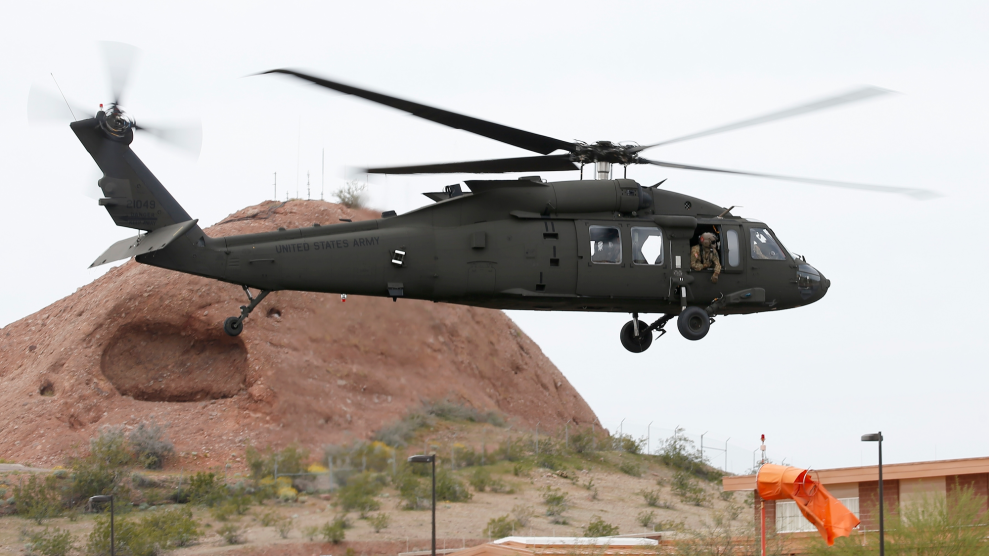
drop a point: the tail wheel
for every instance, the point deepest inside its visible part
(693, 323)
(233, 326)
(629, 340)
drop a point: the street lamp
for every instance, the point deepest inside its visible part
(878, 437)
(106, 498)
(427, 459)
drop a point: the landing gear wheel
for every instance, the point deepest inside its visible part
(232, 326)
(693, 323)
(633, 344)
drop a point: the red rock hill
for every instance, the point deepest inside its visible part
(144, 342)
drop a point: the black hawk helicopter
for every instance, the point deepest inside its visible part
(600, 244)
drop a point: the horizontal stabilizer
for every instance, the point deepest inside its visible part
(153, 241)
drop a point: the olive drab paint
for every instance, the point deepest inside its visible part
(506, 244)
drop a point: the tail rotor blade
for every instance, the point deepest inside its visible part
(120, 59)
(189, 138)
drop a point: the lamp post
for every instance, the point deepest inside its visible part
(878, 437)
(432, 460)
(106, 498)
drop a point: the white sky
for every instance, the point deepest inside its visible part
(897, 343)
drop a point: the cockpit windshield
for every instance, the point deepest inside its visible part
(764, 247)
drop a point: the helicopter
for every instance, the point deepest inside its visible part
(605, 244)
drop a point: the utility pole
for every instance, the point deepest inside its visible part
(276, 186)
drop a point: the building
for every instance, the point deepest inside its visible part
(858, 489)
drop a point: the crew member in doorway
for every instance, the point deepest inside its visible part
(703, 256)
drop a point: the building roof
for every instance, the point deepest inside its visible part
(569, 546)
(891, 471)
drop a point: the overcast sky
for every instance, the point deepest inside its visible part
(896, 345)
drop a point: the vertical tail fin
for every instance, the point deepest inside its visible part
(131, 193)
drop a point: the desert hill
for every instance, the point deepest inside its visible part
(142, 342)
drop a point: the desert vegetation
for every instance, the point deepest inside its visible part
(556, 478)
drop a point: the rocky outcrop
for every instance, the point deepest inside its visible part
(142, 342)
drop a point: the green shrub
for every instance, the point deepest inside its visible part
(557, 503)
(651, 497)
(399, 434)
(333, 531)
(223, 512)
(586, 440)
(175, 527)
(205, 489)
(625, 443)
(480, 479)
(522, 468)
(630, 467)
(351, 195)
(290, 460)
(523, 514)
(152, 534)
(284, 527)
(310, 532)
(232, 533)
(646, 519)
(150, 445)
(38, 498)
(358, 494)
(599, 528)
(688, 491)
(500, 527)
(269, 518)
(379, 522)
(101, 472)
(109, 447)
(449, 488)
(679, 453)
(415, 494)
(50, 542)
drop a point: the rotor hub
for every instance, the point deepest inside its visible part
(116, 123)
(604, 151)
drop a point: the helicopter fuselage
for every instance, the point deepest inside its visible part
(520, 244)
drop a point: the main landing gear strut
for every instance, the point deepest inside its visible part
(235, 325)
(693, 324)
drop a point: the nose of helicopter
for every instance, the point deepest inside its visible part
(811, 283)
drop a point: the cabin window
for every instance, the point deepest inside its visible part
(764, 247)
(731, 237)
(606, 244)
(647, 246)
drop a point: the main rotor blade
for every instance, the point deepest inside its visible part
(45, 107)
(919, 194)
(830, 102)
(120, 59)
(517, 137)
(552, 163)
(188, 138)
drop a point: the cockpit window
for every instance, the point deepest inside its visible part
(606, 245)
(764, 246)
(647, 246)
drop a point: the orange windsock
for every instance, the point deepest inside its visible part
(831, 517)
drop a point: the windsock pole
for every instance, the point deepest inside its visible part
(762, 515)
